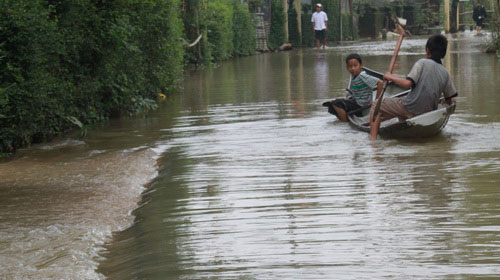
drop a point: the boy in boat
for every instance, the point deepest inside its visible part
(427, 79)
(360, 90)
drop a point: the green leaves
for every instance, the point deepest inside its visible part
(277, 33)
(244, 30)
(227, 27)
(73, 63)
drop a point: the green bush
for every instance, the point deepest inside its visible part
(493, 44)
(67, 63)
(219, 29)
(193, 17)
(308, 38)
(293, 30)
(30, 88)
(349, 31)
(78, 62)
(243, 29)
(254, 4)
(277, 32)
(331, 8)
(227, 28)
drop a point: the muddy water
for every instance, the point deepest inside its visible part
(245, 175)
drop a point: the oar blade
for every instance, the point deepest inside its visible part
(374, 127)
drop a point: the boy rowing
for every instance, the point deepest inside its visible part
(428, 80)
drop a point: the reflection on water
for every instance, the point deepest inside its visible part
(254, 179)
(274, 187)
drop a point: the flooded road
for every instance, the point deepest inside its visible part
(245, 175)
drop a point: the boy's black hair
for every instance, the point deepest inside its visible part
(437, 45)
(353, 56)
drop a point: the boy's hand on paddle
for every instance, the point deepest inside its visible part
(388, 76)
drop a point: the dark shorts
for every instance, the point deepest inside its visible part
(347, 105)
(320, 34)
(479, 23)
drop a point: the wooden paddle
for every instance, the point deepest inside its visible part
(376, 118)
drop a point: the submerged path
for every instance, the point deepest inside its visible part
(250, 177)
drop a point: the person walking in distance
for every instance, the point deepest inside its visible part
(320, 26)
(479, 15)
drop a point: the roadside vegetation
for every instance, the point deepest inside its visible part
(493, 46)
(67, 64)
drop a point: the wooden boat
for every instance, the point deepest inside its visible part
(424, 125)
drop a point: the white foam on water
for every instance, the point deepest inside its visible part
(65, 143)
(57, 213)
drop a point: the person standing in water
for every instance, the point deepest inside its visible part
(319, 21)
(479, 15)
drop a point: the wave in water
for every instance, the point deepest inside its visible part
(57, 210)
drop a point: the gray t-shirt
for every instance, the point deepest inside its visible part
(430, 80)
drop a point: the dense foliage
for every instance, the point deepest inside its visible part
(277, 32)
(79, 62)
(244, 31)
(67, 63)
(493, 45)
(226, 25)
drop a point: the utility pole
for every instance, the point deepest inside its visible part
(353, 22)
(340, 17)
(447, 16)
(492, 6)
(285, 24)
(298, 9)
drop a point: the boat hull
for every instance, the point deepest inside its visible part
(425, 125)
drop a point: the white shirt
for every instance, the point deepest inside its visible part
(319, 20)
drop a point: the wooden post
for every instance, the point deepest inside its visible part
(197, 16)
(447, 16)
(285, 24)
(298, 9)
(340, 17)
(494, 8)
(458, 17)
(349, 2)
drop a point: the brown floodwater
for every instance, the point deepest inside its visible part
(245, 175)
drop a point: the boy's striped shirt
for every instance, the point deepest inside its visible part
(362, 87)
